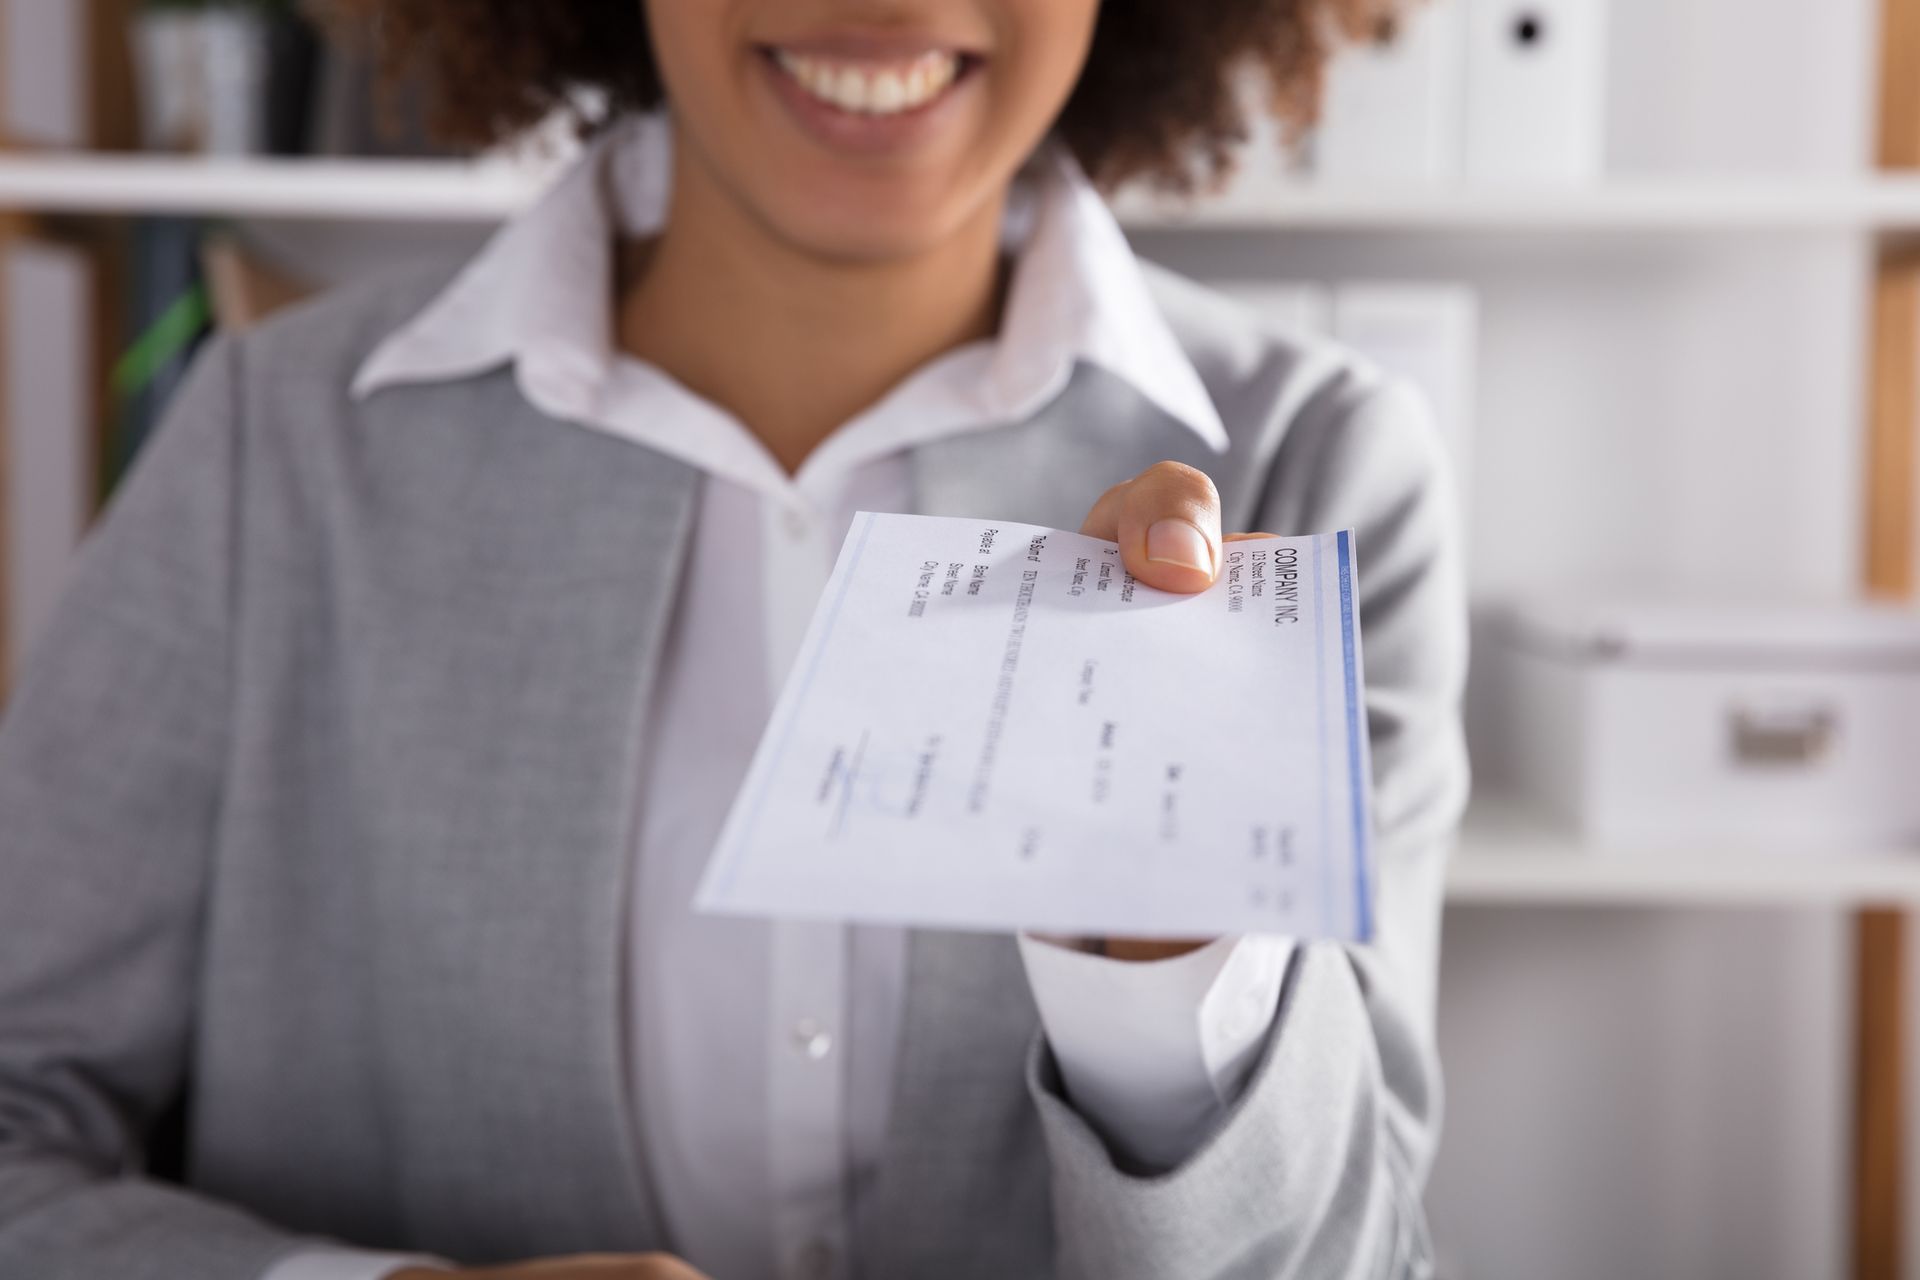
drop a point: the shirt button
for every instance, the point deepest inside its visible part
(796, 523)
(814, 1261)
(811, 1039)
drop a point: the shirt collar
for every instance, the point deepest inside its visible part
(538, 296)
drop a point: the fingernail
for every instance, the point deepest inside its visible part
(1177, 542)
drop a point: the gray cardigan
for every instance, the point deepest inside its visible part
(315, 802)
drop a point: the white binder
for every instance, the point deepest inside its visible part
(1535, 89)
(1392, 105)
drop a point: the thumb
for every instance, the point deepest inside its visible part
(1167, 522)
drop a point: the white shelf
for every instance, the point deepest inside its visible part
(1508, 856)
(450, 191)
(346, 190)
(1621, 205)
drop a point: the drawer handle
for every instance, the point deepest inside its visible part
(1781, 738)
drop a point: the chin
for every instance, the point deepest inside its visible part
(864, 224)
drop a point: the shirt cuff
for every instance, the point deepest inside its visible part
(1155, 1053)
(340, 1264)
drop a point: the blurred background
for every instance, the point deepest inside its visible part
(1656, 264)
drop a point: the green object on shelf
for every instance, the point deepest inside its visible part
(167, 339)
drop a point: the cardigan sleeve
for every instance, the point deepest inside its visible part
(111, 758)
(1153, 1053)
(1318, 1167)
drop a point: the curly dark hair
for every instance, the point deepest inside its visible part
(1161, 99)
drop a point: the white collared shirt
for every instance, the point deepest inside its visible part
(762, 1053)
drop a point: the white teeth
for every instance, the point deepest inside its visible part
(870, 88)
(850, 89)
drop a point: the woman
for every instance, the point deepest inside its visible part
(360, 786)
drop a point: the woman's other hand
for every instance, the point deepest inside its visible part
(1167, 522)
(585, 1266)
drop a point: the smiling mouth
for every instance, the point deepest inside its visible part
(870, 87)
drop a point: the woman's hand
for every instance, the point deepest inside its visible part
(584, 1266)
(1167, 522)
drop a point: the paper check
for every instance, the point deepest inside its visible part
(994, 726)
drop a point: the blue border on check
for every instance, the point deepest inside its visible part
(1356, 765)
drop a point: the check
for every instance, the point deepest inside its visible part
(994, 726)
